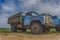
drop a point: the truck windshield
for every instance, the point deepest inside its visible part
(34, 14)
(54, 17)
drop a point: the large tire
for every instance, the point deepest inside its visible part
(36, 28)
(14, 28)
(57, 29)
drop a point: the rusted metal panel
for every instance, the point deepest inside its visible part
(48, 20)
(15, 18)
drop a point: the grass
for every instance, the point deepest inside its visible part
(7, 30)
(52, 30)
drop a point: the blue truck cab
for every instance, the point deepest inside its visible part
(38, 21)
(33, 16)
(43, 18)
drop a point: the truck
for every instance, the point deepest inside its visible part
(37, 22)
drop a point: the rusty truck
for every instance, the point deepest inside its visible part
(36, 22)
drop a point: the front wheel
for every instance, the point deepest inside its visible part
(36, 28)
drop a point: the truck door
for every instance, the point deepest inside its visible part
(27, 19)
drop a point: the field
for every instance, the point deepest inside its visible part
(5, 34)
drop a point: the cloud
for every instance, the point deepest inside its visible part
(7, 8)
(29, 3)
(3, 21)
(43, 6)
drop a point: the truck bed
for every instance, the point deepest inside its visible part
(15, 18)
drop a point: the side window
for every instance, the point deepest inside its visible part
(33, 14)
(28, 14)
(54, 17)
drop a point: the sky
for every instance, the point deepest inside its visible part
(10, 7)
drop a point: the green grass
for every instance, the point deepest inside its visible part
(52, 30)
(7, 30)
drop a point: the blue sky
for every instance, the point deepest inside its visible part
(10, 7)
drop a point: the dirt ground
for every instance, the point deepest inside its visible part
(21, 36)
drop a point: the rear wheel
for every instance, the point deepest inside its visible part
(14, 28)
(36, 28)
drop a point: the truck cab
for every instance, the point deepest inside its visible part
(42, 18)
(36, 21)
(32, 16)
